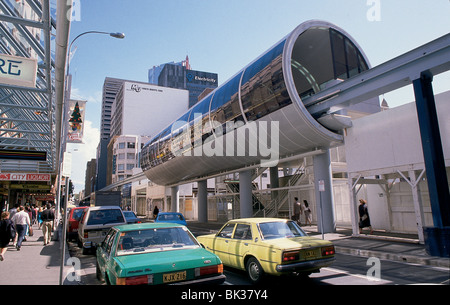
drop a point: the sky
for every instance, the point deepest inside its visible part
(223, 36)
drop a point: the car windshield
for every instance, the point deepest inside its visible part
(170, 217)
(102, 217)
(76, 215)
(129, 214)
(155, 240)
(272, 230)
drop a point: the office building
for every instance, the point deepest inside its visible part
(181, 76)
(145, 109)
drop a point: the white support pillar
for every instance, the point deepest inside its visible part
(175, 199)
(353, 204)
(245, 191)
(202, 201)
(417, 200)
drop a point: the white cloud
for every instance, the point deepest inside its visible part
(94, 97)
(82, 153)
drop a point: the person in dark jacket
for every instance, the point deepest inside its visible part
(364, 219)
(48, 217)
(7, 232)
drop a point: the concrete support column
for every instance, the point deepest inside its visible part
(418, 205)
(324, 198)
(202, 201)
(245, 191)
(175, 199)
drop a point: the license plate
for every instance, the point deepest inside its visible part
(309, 254)
(174, 277)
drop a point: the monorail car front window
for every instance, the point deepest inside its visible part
(321, 57)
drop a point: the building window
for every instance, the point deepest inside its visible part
(121, 145)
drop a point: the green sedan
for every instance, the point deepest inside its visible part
(155, 253)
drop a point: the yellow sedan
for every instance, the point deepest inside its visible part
(268, 246)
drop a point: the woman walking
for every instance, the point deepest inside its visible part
(7, 232)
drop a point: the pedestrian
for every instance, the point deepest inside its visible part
(297, 210)
(7, 233)
(47, 216)
(364, 219)
(308, 214)
(155, 212)
(33, 214)
(13, 211)
(39, 217)
(21, 220)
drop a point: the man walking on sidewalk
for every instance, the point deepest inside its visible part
(21, 220)
(47, 224)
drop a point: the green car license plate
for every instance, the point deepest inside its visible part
(174, 277)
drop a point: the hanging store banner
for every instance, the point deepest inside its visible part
(24, 177)
(18, 71)
(75, 121)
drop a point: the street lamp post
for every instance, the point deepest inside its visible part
(62, 147)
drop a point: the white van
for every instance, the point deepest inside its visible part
(95, 223)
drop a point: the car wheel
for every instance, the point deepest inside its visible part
(254, 270)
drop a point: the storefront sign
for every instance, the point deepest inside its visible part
(18, 71)
(24, 177)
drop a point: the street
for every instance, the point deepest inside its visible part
(347, 270)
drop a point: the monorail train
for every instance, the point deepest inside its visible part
(258, 115)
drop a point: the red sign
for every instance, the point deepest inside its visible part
(24, 177)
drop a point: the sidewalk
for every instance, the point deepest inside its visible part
(34, 264)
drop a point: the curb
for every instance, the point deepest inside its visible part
(428, 261)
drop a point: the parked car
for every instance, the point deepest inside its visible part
(155, 253)
(130, 217)
(171, 217)
(268, 246)
(95, 223)
(73, 217)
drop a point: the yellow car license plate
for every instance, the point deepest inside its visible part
(307, 254)
(174, 277)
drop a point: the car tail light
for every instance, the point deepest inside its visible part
(326, 251)
(290, 256)
(208, 270)
(135, 280)
(86, 234)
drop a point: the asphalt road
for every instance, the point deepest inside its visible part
(347, 270)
